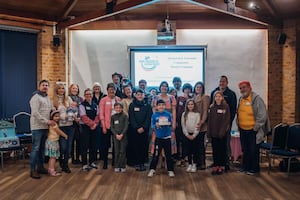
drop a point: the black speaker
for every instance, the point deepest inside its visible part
(282, 38)
(56, 41)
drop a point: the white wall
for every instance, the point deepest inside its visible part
(239, 54)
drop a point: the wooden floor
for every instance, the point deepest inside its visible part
(15, 183)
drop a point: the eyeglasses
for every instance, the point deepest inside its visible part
(88, 94)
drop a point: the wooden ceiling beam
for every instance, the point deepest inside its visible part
(186, 23)
(271, 8)
(67, 9)
(32, 21)
(101, 14)
(220, 6)
(30, 15)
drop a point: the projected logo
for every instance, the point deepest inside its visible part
(149, 64)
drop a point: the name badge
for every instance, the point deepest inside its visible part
(116, 122)
(220, 111)
(88, 108)
(248, 103)
(180, 103)
(137, 109)
(108, 103)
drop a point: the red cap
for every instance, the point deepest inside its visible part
(245, 82)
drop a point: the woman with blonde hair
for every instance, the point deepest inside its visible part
(63, 104)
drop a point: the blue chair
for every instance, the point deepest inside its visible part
(8, 141)
(278, 140)
(291, 149)
(22, 127)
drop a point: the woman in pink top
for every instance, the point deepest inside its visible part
(106, 108)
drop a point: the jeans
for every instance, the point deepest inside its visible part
(250, 150)
(75, 152)
(38, 148)
(66, 145)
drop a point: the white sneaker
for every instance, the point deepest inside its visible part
(85, 168)
(194, 168)
(151, 173)
(171, 174)
(117, 169)
(123, 170)
(93, 165)
(189, 168)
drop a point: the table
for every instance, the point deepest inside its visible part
(236, 149)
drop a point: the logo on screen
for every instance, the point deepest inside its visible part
(149, 64)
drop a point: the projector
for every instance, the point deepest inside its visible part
(165, 35)
(166, 32)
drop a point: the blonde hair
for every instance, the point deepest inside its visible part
(56, 97)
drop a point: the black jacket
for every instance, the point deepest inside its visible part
(140, 113)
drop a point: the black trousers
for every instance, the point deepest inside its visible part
(159, 145)
(105, 144)
(219, 146)
(192, 150)
(75, 153)
(139, 146)
(180, 140)
(250, 150)
(201, 147)
(129, 148)
(88, 141)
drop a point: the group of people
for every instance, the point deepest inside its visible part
(171, 124)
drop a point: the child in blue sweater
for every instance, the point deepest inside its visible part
(162, 124)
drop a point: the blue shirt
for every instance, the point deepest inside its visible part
(164, 119)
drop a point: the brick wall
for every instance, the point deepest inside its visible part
(283, 74)
(274, 76)
(51, 59)
(289, 72)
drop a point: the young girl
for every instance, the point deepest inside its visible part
(52, 145)
(189, 120)
(218, 125)
(118, 126)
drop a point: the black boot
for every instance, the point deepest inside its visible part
(104, 164)
(34, 174)
(66, 169)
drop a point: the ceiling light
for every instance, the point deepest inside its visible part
(253, 6)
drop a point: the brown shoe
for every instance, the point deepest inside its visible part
(35, 175)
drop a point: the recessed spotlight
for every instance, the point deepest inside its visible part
(253, 6)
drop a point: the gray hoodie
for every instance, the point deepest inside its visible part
(262, 123)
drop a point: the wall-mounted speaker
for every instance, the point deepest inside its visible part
(56, 40)
(282, 38)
